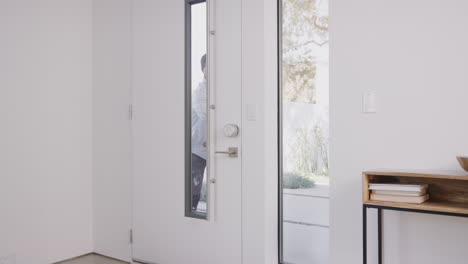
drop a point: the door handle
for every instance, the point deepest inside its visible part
(232, 152)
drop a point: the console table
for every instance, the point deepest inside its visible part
(448, 195)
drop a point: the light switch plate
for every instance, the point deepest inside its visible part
(369, 102)
(251, 112)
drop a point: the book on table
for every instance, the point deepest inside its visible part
(404, 193)
(398, 187)
(399, 193)
(399, 198)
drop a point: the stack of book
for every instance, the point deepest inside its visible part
(399, 193)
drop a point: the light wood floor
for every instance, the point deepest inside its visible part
(92, 259)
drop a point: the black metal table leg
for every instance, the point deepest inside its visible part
(380, 210)
(364, 233)
(379, 234)
(379, 231)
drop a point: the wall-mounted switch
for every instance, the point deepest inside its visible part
(251, 112)
(369, 102)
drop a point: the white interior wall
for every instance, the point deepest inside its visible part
(413, 54)
(111, 128)
(45, 135)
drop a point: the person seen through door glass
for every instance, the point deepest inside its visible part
(199, 135)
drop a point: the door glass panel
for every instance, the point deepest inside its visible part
(304, 132)
(196, 109)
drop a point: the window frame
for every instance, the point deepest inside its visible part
(188, 112)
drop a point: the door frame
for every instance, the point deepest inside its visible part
(279, 147)
(273, 206)
(265, 13)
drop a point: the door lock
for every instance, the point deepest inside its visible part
(232, 152)
(230, 130)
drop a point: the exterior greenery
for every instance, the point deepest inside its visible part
(305, 53)
(303, 29)
(295, 181)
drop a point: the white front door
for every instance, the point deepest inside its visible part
(170, 224)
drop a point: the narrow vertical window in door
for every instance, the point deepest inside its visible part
(304, 132)
(196, 92)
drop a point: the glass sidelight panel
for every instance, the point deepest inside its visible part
(196, 93)
(304, 131)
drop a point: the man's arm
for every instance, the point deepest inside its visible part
(199, 102)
